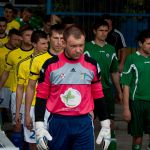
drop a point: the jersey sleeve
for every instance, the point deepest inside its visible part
(21, 74)
(17, 25)
(43, 87)
(126, 75)
(35, 70)
(114, 63)
(9, 62)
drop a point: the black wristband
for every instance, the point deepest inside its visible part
(100, 109)
(40, 107)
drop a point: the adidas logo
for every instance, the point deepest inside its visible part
(73, 70)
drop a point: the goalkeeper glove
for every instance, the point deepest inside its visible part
(42, 136)
(104, 135)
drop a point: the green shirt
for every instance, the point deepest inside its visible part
(136, 75)
(106, 58)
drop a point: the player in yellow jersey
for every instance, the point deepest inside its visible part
(12, 44)
(56, 47)
(12, 60)
(3, 36)
(40, 43)
(9, 15)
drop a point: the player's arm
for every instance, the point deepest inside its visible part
(126, 79)
(28, 101)
(30, 92)
(101, 110)
(3, 78)
(122, 58)
(104, 135)
(6, 71)
(21, 79)
(43, 89)
(126, 110)
(116, 76)
(19, 97)
(116, 80)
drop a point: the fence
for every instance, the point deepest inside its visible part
(130, 17)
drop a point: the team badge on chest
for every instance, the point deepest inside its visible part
(71, 98)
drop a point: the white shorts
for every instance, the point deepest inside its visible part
(13, 108)
(29, 135)
(5, 95)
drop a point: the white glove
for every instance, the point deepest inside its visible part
(104, 136)
(42, 136)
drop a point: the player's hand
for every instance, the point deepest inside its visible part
(104, 136)
(28, 122)
(42, 136)
(17, 118)
(18, 125)
(126, 115)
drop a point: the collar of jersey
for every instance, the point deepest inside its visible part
(72, 61)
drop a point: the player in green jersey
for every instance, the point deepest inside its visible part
(105, 55)
(136, 95)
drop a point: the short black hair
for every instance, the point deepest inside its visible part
(59, 28)
(100, 22)
(9, 6)
(14, 31)
(143, 35)
(37, 35)
(3, 19)
(25, 29)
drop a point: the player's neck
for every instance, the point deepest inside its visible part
(26, 46)
(10, 46)
(55, 52)
(144, 53)
(99, 42)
